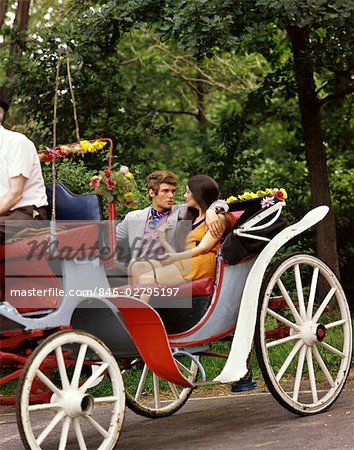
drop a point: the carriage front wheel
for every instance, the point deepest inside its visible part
(86, 400)
(149, 395)
(303, 334)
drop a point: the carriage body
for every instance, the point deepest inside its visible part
(139, 335)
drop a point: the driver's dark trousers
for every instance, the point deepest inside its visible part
(8, 229)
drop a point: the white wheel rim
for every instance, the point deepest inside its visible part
(154, 395)
(304, 349)
(72, 403)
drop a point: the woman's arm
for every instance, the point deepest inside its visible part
(162, 236)
(205, 245)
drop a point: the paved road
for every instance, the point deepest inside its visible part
(249, 421)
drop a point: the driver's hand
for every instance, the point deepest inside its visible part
(214, 223)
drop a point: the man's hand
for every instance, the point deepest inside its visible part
(215, 225)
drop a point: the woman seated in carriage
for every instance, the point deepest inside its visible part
(197, 256)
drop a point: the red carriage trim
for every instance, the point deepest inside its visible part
(206, 340)
(208, 313)
(149, 335)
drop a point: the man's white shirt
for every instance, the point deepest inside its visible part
(18, 156)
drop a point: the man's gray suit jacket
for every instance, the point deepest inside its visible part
(130, 232)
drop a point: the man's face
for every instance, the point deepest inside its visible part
(165, 197)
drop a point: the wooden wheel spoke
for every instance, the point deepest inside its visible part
(93, 377)
(62, 369)
(183, 367)
(174, 390)
(336, 324)
(300, 294)
(283, 320)
(48, 383)
(313, 289)
(50, 427)
(311, 374)
(288, 360)
(141, 383)
(79, 435)
(289, 302)
(283, 340)
(78, 366)
(109, 399)
(324, 304)
(64, 433)
(156, 390)
(323, 366)
(96, 426)
(43, 407)
(332, 349)
(298, 376)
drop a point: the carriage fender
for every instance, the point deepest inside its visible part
(150, 338)
(236, 365)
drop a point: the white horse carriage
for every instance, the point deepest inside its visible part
(74, 383)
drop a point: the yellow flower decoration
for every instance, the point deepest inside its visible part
(231, 199)
(248, 196)
(129, 175)
(279, 194)
(285, 194)
(129, 196)
(92, 147)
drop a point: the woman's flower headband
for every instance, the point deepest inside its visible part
(268, 196)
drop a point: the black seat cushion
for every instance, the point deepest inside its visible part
(70, 206)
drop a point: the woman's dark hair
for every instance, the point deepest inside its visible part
(205, 191)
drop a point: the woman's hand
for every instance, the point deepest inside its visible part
(162, 230)
(214, 224)
(169, 258)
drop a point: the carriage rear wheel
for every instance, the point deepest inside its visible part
(86, 405)
(151, 396)
(303, 334)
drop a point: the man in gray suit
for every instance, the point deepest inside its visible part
(138, 232)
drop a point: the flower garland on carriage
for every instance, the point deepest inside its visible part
(116, 186)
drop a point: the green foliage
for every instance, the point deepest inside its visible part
(145, 72)
(73, 173)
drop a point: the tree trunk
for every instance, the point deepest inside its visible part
(314, 148)
(3, 9)
(21, 24)
(22, 14)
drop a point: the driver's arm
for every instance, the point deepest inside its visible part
(13, 195)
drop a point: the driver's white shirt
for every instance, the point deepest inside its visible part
(18, 156)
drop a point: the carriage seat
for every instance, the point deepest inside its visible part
(70, 206)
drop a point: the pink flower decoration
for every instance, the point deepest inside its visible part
(267, 202)
(110, 184)
(107, 173)
(95, 181)
(124, 169)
